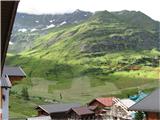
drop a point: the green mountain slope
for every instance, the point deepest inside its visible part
(137, 19)
(102, 56)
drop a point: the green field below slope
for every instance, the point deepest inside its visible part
(81, 80)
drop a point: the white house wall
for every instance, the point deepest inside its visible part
(5, 104)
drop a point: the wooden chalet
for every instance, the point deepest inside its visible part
(150, 105)
(9, 75)
(102, 102)
(81, 113)
(103, 106)
(56, 111)
(14, 73)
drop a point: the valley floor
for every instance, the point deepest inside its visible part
(81, 91)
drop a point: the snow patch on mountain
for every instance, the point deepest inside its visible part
(22, 30)
(50, 26)
(52, 20)
(64, 22)
(34, 29)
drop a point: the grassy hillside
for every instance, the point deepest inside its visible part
(103, 56)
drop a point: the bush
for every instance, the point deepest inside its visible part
(139, 116)
(25, 94)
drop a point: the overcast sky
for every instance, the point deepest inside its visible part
(149, 7)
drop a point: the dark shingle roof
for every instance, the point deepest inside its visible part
(82, 111)
(13, 71)
(93, 107)
(55, 108)
(150, 103)
(5, 82)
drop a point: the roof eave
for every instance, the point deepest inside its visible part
(6, 34)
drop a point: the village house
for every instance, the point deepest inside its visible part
(138, 97)
(112, 108)
(119, 110)
(56, 111)
(5, 87)
(14, 73)
(150, 105)
(81, 113)
(9, 75)
(103, 106)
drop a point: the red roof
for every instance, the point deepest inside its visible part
(107, 102)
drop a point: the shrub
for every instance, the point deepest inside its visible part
(139, 116)
(25, 94)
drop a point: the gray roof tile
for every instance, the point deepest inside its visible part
(150, 103)
(13, 71)
(55, 108)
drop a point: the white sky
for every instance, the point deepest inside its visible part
(149, 7)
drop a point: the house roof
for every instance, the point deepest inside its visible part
(8, 13)
(107, 102)
(56, 108)
(149, 104)
(82, 111)
(13, 71)
(93, 107)
(127, 102)
(138, 97)
(5, 82)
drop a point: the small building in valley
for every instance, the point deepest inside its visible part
(150, 105)
(138, 97)
(56, 111)
(103, 106)
(81, 113)
(102, 102)
(14, 73)
(9, 75)
(112, 108)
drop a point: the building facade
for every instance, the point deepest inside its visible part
(150, 105)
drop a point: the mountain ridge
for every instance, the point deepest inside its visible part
(125, 19)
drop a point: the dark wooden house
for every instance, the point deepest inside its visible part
(56, 111)
(9, 74)
(14, 73)
(150, 105)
